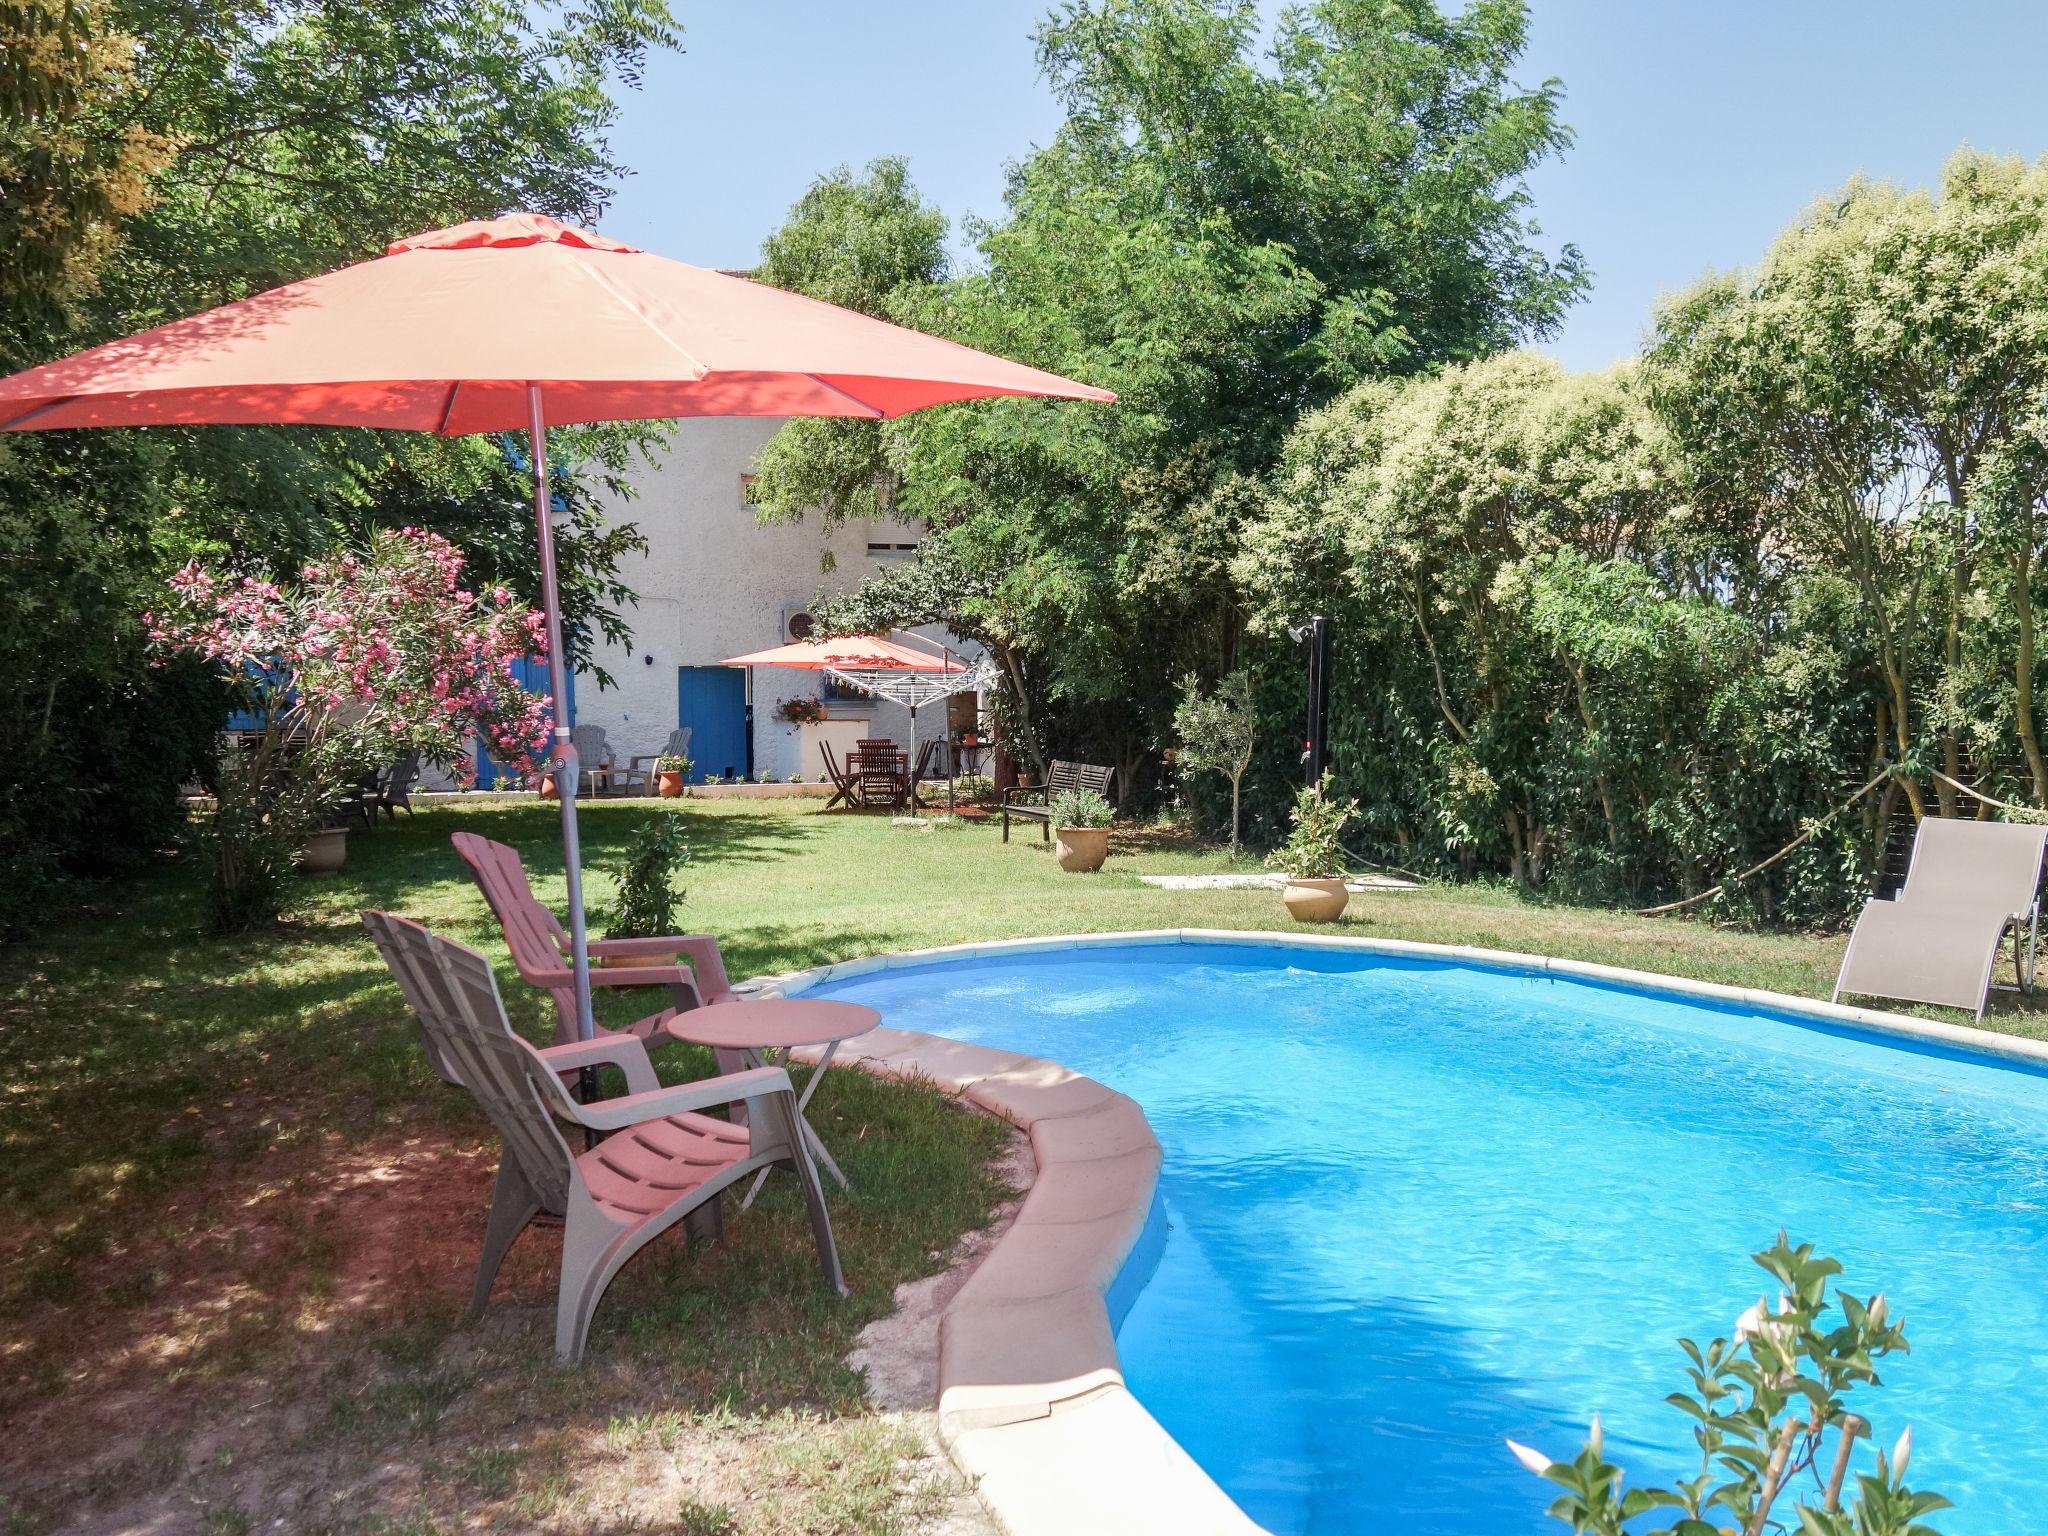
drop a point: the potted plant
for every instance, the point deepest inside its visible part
(649, 901)
(1080, 820)
(325, 851)
(1312, 859)
(669, 773)
(801, 711)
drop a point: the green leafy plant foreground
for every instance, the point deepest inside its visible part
(649, 902)
(1768, 1410)
(1314, 850)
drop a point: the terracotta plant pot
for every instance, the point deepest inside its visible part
(325, 852)
(1315, 901)
(1081, 849)
(670, 782)
(547, 787)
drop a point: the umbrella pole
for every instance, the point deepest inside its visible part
(568, 776)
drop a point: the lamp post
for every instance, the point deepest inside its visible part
(1316, 748)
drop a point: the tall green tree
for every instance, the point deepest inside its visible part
(1873, 385)
(864, 241)
(1225, 239)
(1445, 516)
(234, 145)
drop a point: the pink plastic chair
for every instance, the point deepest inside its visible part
(664, 1162)
(540, 948)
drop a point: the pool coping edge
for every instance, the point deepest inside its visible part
(1032, 1405)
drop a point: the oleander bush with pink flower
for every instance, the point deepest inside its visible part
(366, 658)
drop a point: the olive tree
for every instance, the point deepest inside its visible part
(1217, 733)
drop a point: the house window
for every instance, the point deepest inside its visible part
(881, 551)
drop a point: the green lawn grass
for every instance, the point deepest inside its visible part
(206, 1140)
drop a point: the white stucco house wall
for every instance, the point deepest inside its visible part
(714, 582)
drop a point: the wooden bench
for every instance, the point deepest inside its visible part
(1035, 804)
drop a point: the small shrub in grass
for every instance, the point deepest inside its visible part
(1218, 732)
(695, 1518)
(1767, 1409)
(649, 900)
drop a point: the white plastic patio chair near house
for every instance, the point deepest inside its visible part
(594, 753)
(678, 745)
(664, 1162)
(1937, 941)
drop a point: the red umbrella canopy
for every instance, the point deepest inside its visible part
(848, 653)
(447, 332)
(516, 323)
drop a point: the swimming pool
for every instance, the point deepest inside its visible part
(1415, 1206)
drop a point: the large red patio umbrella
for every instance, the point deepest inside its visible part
(513, 324)
(909, 675)
(849, 653)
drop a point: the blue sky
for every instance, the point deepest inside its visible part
(1702, 127)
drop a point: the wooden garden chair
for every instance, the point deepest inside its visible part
(845, 787)
(664, 1160)
(540, 949)
(394, 786)
(881, 774)
(593, 758)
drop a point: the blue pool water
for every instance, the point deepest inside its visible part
(1414, 1207)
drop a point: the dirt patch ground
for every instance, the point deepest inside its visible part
(282, 1346)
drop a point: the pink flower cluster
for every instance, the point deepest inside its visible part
(388, 648)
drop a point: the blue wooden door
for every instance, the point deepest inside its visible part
(712, 701)
(530, 673)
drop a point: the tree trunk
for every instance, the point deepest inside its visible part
(1518, 849)
(1863, 567)
(1236, 800)
(2023, 664)
(1599, 775)
(1020, 709)
(1952, 656)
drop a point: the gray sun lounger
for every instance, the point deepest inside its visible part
(1938, 939)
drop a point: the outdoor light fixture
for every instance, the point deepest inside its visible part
(1317, 632)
